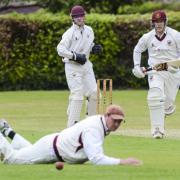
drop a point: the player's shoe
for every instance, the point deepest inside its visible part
(170, 110)
(158, 134)
(4, 126)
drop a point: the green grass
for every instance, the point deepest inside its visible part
(37, 113)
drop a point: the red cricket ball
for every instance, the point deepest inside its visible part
(59, 165)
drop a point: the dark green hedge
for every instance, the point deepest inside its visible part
(28, 57)
(148, 7)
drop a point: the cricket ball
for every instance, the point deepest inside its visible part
(59, 165)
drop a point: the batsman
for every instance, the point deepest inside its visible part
(163, 45)
(75, 47)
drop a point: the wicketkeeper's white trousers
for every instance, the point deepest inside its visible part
(81, 82)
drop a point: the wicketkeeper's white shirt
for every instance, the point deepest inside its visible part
(84, 141)
(159, 51)
(76, 39)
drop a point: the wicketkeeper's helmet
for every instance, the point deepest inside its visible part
(159, 16)
(77, 11)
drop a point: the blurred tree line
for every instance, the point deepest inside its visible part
(101, 6)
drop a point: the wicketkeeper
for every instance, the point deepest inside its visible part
(75, 48)
(163, 44)
(74, 145)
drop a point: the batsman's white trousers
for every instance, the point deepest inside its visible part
(40, 152)
(168, 83)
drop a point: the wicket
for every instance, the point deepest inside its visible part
(102, 101)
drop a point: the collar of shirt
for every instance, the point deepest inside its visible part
(80, 28)
(164, 33)
(104, 125)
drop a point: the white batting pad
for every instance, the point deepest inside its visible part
(157, 119)
(74, 112)
(91, 107)
(156, 109)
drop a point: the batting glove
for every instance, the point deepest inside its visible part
(138, 71)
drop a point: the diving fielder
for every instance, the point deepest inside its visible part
(75, 47)
(74, 145)
(163, 44)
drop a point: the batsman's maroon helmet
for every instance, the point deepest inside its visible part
(77, 11)
(159, 16)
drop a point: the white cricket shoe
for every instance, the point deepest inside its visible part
(4, 126)
(170, 110)
(158, 134)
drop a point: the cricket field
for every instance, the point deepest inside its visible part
(34, 114)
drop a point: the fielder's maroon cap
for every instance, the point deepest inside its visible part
(115, 111)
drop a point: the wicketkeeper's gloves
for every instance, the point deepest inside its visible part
(96, 49)
(79, 58)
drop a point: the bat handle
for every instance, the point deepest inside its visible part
(147, 69)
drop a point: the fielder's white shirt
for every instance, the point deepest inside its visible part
(159, 51)
(84, 141)
(77, 39)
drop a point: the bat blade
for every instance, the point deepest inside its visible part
(163, 66)
(175, 63)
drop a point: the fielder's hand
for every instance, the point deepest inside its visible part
(131, 161)
(138, 71)
(79, 58)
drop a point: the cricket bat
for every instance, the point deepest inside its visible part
(163, 66)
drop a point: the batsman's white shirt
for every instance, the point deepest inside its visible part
(166, 49)
(158, 50)
(77, 144)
